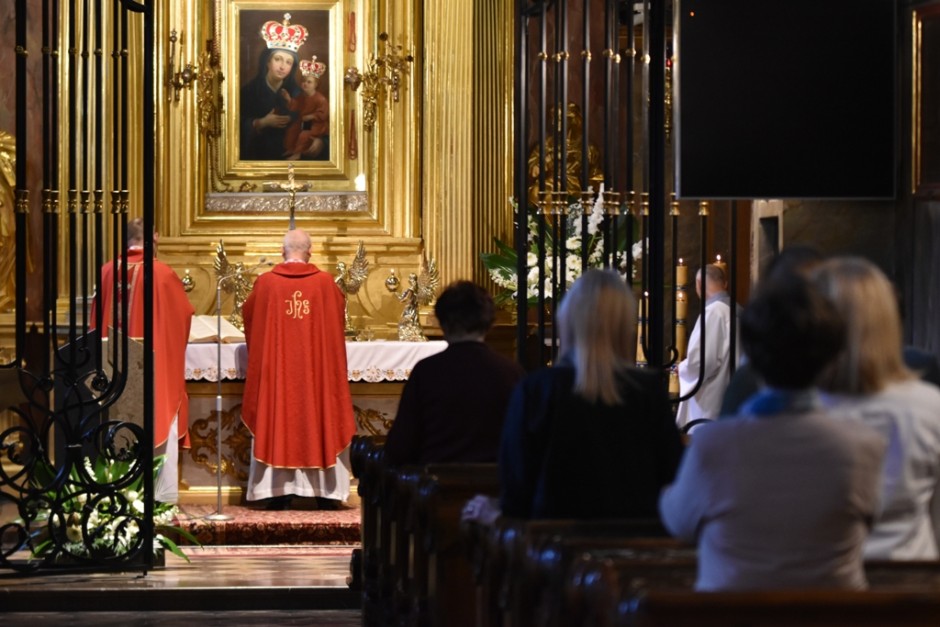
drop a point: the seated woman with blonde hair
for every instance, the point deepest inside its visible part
(869, 381)
(592, 436)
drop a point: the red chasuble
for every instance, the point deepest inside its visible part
(172, 317)
(297, 403)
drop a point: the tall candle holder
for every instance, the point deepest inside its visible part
(682, 338)
(682, 274)
(641, 323)
(682, 307)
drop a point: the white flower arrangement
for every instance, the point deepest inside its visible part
(106, 523)
(502, 264)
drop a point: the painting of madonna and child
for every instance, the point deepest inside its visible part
(284, 106)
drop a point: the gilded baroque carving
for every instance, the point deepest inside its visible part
(7, 230)
(236, 453)
(372, 421)
(280, 203)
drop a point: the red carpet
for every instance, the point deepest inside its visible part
(260, 527)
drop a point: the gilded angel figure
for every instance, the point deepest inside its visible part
(236, 280)
(349, 278)
(421, 290)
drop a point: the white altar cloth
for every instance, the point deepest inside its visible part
(372, 362)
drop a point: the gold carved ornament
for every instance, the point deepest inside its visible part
(381, 80)
(421, 290)
(204, 437)
(349, 278)
(177, 78)
(574, 158)
(210, 104)
(7, 226)
(236, 280)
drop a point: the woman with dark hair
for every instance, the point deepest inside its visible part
(453, 404)
(265, 115)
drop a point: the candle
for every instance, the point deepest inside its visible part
(721, 264)
(681, 338)
(641, 328)
(673, 382)
(682, 273)
(640, 355)
(682, 304)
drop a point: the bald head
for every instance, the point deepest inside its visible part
(715, 281)
(296, 245)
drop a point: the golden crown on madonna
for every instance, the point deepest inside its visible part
(312, 68)
(283, 35)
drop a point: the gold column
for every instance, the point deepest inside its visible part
(468, 132)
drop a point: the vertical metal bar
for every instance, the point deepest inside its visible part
(124, 82)
(674, 217)
(561, 220)
(657, 156)
(609, 45)
(116, 147)
(629, 68)
(148, 163)
(615, 184)
(540, 258)
(99, 176)
(520, 129)
(89, 161)
(22, 190)
(733, 285)
(585, 128)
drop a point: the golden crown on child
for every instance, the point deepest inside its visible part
(312, 68)
(283, 35)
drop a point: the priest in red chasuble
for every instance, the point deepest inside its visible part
(172, 317)
(297, 403)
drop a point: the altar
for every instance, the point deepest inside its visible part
(376, 371)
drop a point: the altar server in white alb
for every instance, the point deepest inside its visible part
(706, 403)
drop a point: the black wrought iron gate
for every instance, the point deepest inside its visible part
(76, 484)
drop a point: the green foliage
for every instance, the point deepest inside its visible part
(102, 523)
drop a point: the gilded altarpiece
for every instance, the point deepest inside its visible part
(427, 178)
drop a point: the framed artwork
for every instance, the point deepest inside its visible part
(284, 103)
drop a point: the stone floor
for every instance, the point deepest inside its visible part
(238, 585)
(288, 618)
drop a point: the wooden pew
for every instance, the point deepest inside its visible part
(903, 575)
(406, 483)
(442, 573)
(366, 459)
(414, 569)
(598, 581)
(619, 588)
(783, 608)
(536, 579)
(550, 565)
(519, 565)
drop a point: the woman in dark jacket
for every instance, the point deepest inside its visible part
(593, 436)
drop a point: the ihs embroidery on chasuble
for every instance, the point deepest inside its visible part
(297, 306)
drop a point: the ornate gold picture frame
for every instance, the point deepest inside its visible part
(283, 63)
(926, 101)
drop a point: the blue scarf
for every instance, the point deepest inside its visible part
(771, 401)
